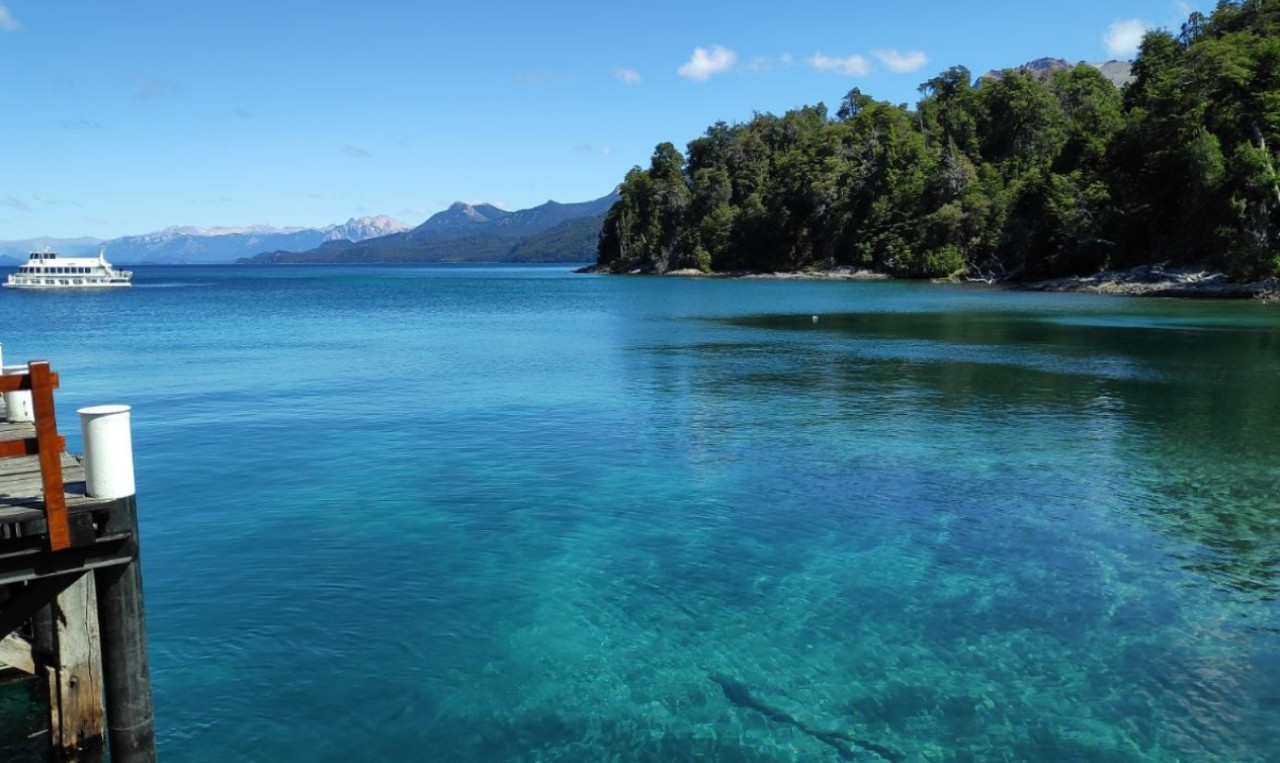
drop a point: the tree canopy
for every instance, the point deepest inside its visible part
(1018, 175)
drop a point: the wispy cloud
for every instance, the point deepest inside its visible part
(243, 113)
(535, 78)
(40, 197)
(81, 124)
(1124, 36)
(150, 89)
(13, 202)
(850, 66)
(627, 76)
(901, 62)
(355, 152)
(7, 22)
(586, 149)
(762, 64)
(705, 63)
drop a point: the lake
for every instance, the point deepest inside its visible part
(520, 514)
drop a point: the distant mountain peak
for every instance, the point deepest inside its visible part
(1119, 72)
(362, 228)
(462, 214)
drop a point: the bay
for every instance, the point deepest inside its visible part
(513, 514)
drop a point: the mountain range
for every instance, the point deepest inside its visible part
(187, 245)
(550, 232)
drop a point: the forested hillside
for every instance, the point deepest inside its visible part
(1018, 177)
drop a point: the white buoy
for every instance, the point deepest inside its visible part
(815, 319)
(108, 451)
(17, 405)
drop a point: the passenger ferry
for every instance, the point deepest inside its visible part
(46, 270)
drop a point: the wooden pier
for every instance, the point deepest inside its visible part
(71, 606)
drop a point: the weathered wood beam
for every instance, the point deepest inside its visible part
(27, 564)
(17, 653)
(77, 715)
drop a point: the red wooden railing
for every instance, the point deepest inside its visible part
(47, 444)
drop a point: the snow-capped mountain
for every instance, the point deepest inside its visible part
(191, 245)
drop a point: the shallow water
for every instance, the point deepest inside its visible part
(517, 514)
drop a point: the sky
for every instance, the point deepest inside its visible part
(130, 116)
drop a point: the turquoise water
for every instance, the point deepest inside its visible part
(517, 514)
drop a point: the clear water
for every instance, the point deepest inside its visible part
(517, 514)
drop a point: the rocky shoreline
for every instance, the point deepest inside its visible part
(1160, 281)
(1156, 280)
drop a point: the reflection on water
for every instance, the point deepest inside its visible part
(520, 515)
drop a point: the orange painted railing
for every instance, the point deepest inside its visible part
(47, 444)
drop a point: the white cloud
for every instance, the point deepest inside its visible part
(627, 76)
(1124, 36)
(355, 152)
(582, 148)
(606, 150)
(852, 66)
(705, 64)
(901, 62)
(7, 22)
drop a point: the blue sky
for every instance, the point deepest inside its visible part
(130, 116)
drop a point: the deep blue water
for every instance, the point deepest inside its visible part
(518, 514)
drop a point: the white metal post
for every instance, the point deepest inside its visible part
(108, 451)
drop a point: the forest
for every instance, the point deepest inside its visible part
(1017, 176)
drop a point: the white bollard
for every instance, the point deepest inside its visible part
(108, 451)
(17, 405)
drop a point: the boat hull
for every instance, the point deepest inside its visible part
(80, 287)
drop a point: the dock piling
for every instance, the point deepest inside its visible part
(108, 462)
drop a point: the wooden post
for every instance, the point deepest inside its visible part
(43, 383)
(76, 710)
(122, 622)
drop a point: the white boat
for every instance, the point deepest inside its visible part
(46, 270)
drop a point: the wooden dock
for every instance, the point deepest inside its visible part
(71, 608)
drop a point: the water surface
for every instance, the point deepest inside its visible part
(517, 514)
